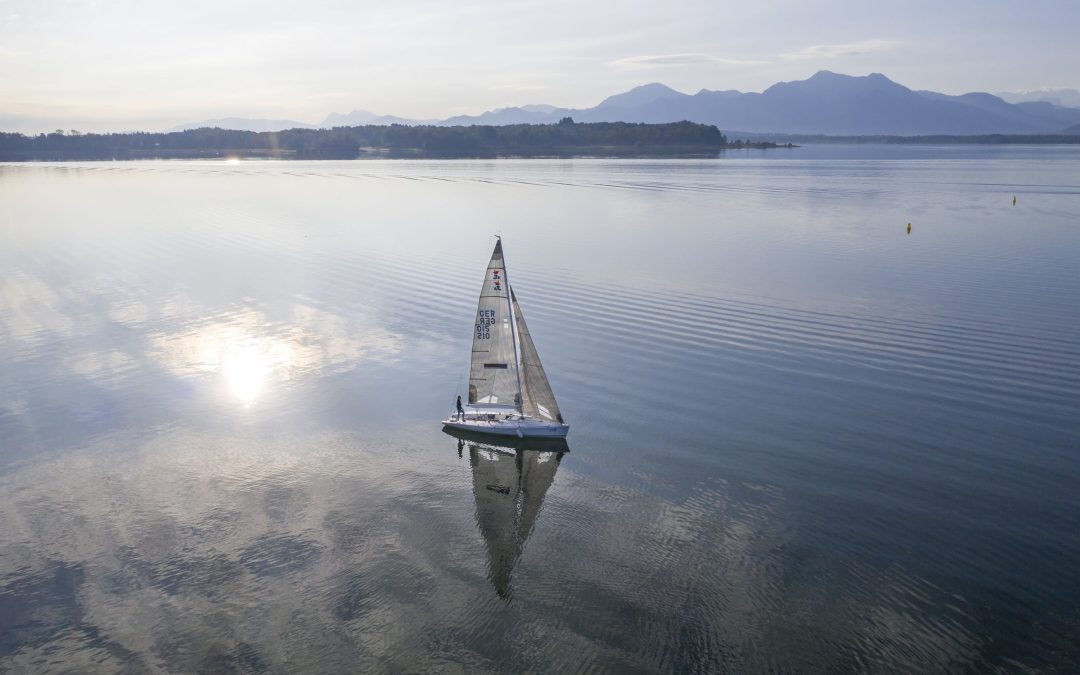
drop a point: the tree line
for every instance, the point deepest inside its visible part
(566, 138)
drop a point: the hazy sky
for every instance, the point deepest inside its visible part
(149, 64)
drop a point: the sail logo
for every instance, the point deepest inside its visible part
(496, 280)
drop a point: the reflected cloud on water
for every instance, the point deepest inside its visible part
(31, 311)
(177, 550)
(96, 353)
(249, 353)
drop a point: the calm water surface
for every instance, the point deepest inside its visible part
(802, 439)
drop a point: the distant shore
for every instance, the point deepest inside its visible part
(935, 139)
(565, 139)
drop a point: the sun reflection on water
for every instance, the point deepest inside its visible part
(248, 357)
(246, 368)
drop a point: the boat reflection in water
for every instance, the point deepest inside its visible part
(509, 484)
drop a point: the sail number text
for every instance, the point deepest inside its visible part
(484, 320)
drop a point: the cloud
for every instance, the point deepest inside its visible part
(669, 60)
(838, 50)
(520, 87)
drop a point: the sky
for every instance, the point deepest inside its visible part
(119, 65)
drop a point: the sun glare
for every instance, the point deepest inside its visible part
(245, 368)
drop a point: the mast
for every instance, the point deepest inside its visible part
(516, 337)
(520, 402)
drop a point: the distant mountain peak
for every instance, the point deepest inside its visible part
(830, 75)
(243, 124)
(828, 83)
(353, 118)
(642, 95)
(656, 87)
(1060, 96)
(539, 107)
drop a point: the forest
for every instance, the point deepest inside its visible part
(565, 139)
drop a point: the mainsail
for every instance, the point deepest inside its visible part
(493, 374)
(538, 399)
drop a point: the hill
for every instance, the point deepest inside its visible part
(826, 103)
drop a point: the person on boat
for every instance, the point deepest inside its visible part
(460, 410)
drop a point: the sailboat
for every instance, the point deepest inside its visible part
(509, 393)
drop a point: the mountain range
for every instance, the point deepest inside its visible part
(1070, 98)
(826, 103)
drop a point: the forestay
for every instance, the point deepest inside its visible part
(493, 375)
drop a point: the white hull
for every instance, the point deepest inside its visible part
(519, 427)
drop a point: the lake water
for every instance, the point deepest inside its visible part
(802, 439)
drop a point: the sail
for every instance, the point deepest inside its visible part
(539, 400)
(493, 374)
(509, 491)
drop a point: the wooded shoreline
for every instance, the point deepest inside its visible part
(566, 139)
